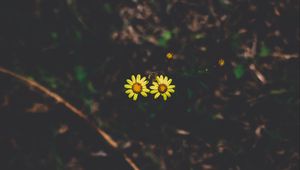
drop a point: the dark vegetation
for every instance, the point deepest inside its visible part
(243, 115)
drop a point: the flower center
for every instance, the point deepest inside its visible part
(162, 88)
(136, 87)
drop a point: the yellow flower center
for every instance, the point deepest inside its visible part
(162, 88)
(221, 62)
(136, 87)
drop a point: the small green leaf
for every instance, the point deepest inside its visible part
(264, 50)
(239, 71)
(167, 35)
(51, 82)
(165, 38)
(278, 91)
(199, 36)
(91, 87)
(80, 74)
(162, 42)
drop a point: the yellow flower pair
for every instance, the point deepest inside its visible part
(138, 85)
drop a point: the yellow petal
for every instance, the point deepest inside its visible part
(171, 90)
(129, 81)
(144, 94)
(133, 79)
(143, 79)
(169, 81)
(158, 79)
(155, 84)
(138, 78)
(143, 83)
(135, 97)
(171, 86)
(128, 91)
(127, 86)
(166, 79)
(164, 96)
(168, 94)
(153, 91)
(146, 90)
(156, 95)
(153, 87)
(130, 95)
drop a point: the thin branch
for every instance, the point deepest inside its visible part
(72, 108)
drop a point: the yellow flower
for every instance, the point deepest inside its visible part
(162, 86)
(136, 85)
(221, 62)
(169, 55)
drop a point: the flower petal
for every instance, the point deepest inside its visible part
(128, 91)
(143, 79)
(135, 97)
(127, 86)
(153, 87)
(157, 79)
(153, 91)
(146, 90)
(171, 90)
(168, 93)
(169, 81)
(171, 86)
(129, 81)
(143, 83)
(144, 94)
(156, 95)
(133, 79)
(165, 79)
(130, 95)
(161, 77)
(138, 78)
(164, 96)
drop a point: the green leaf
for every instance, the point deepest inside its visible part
(51, 81)
(91, 87)
(264, 50)
(278, 91)
(80, 74)
(199, 36)
(239, 71)
(167, 35)
(165, 38)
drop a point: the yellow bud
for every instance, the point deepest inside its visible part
(221, 62)
(169, 55)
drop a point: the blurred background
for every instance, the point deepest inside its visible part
(235, 64)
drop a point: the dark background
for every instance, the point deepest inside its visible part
(240, 115)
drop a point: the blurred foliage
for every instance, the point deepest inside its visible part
(239, 71)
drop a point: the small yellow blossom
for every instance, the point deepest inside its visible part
(162, 86)
(136, 85)
(221, 62)
(169, 55)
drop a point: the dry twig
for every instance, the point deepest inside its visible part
(69, 106)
